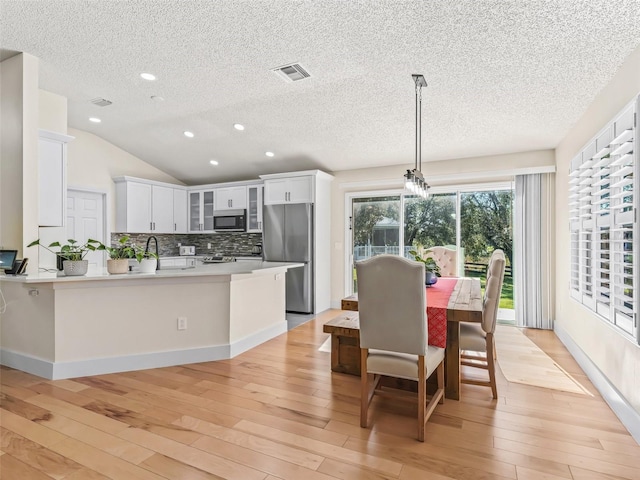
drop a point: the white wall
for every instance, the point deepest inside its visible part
(617, 357)
(446, 172)
(93, 162)
(19, 152)
(53, 112)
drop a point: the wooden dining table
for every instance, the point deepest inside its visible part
(465, 305)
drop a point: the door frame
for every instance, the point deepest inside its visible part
(348, 236)
(106, 211)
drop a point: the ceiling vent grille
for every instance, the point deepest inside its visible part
(292, 73)
(101, 102)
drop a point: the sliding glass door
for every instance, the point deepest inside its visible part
(486, 223)
(375, 226)
(472, 222)
(429, 222)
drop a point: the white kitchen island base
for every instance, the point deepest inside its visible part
(65, 327)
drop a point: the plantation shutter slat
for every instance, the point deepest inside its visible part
(603, 225)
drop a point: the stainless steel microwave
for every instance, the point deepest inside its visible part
(230, 220)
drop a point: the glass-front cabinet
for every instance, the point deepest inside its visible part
(201, 211)
(254, 208)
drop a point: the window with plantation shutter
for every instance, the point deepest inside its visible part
(603, 225)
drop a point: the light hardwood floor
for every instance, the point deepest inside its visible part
(277, 411)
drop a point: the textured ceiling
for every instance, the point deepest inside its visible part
(504, 76)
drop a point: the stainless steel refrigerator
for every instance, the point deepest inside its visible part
(287, 236)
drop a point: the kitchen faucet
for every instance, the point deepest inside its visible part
(146, 250)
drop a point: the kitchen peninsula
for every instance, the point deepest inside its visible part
(63, 327)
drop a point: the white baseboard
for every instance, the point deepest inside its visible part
(336, 304)
(99, 366)
(629, 417)
(27, 363)
(247, 343)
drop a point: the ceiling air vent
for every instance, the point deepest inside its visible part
(292, 72)
(101, 102)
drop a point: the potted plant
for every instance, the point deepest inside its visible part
(148, 260)
(118, 261)
(432, 270)
(120, 254)
(72, 254)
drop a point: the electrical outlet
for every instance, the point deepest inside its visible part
(182, 323)
(209, 246)
(179, 244)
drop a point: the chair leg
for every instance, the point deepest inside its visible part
(491, 363)
(364, 388)
(422, 396)
(440, 379)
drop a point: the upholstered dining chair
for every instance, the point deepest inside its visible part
(393, 332)
(446, 258)
(478, 338)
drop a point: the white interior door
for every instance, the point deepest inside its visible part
(85, 219)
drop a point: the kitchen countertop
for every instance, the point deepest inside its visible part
(246, 267)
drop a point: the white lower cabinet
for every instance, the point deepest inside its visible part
(177, 262)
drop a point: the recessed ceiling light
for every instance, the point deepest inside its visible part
(157, 98)
(213, 162)
(94, 119)
(237, 126)
(269, 154)
(189, 134)
(148, 76)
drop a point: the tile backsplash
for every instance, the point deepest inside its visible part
(235, 244)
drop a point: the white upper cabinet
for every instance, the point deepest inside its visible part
(201, 203)
(52, 178)
(298, 189)
(135, 206)
(254, 208)
(180, 210)
(162, 209)
(231, 198)
(145, 207)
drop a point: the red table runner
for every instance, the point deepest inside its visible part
(437, 301)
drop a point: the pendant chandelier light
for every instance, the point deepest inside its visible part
(414, 180)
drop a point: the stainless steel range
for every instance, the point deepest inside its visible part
(216, 259)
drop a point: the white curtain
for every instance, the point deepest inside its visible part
(533, 252)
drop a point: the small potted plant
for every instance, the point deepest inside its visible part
(72, 254)
(148, 260)
(118, 261)
(432, 270)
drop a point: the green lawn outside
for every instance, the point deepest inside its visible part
(506, 300)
